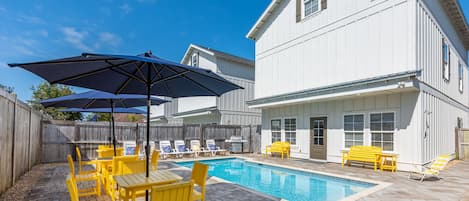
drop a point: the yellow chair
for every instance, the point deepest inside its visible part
(199, 176)
(109, 152)
(104, 146)
(154, 160)
(137, 150)
(181, 191)
(370, 154)
(84, 177)
(72, 188)
(131, 167)
(76, 193)
(434, 169)
(81, 163)
(110, 171)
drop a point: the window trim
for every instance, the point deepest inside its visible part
(271, 131)
(343, 129)
(284, 131)
(303, 15)
(446, 64)
(196, 55)
(394, 131)
(460, 77)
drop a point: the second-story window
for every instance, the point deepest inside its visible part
(310, 7)
(195, 59)
(446, 60)
(461, 77)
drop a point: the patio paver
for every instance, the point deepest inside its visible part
(46, 182)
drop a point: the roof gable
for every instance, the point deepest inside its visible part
(215, 53)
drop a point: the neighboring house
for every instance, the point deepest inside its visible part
(163, 114)
(228, 109)
(331, 74)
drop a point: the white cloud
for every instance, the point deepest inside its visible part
(126, 8)
(76, 38)
(107, 40)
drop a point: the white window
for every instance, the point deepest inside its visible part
(310, 7)
(353, 128)
(195, 59)
(461, 77)
(382, 130)
(276, 130)
(446, 60)
(290, 131)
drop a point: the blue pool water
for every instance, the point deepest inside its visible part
(283, 183)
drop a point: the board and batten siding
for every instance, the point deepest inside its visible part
(350, 40)
(430, 51)
(407, 123)
(439, 122)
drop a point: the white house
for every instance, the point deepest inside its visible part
(390, 73)
(228, 109)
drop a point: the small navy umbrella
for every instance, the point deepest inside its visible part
(100, 99)
(142, 74)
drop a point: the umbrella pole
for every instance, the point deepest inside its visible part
(147, 147)
(113, 127)
(110, 133)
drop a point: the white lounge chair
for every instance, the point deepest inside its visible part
(434, 170)
(166, 150)
(129, 147)
(212, 147)
(181, 148)
(197, 149)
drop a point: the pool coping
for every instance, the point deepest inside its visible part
(379, 185)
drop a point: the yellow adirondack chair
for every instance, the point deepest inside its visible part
(180, 191)
(109, 173)
(81, 163)
(434, 170)
(154, 160)
(199, 176)
(76, 193)
(137, 150)
(84, 177)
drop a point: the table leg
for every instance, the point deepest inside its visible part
(134, 195)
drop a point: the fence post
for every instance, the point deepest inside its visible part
(13, 144)
(29, 138)
(201, 135)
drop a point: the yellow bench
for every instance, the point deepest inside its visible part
(370, 154)
(278, 147)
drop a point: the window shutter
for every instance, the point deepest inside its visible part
(298, 10)
(323, 4)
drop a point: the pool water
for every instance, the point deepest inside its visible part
(283, 183)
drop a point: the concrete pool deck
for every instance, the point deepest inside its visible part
(46, 182)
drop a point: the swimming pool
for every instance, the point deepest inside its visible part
(283, 183)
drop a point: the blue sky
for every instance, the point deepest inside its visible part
(47, 29)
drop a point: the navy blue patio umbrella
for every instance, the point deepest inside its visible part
(100, 99)
(142, 74)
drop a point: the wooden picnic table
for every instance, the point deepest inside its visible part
(138, 182)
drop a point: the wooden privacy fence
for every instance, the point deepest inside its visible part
(61, 137)
(20, 139)
(462, 144)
